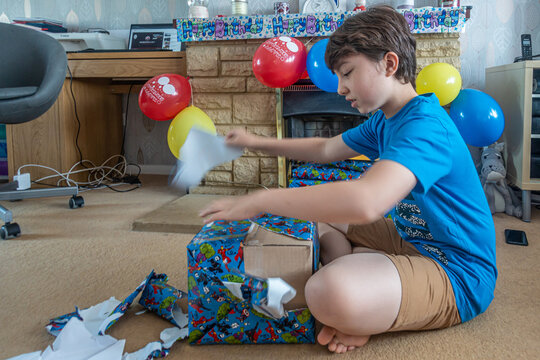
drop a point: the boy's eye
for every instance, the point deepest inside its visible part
(347, 73)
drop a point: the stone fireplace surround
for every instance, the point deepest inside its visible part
(225, 88)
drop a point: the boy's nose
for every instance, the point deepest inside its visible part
(341, 89)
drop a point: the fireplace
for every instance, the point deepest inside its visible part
(308, 111)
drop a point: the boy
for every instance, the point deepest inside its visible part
(414, 272)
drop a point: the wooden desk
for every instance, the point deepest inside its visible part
(98, 80)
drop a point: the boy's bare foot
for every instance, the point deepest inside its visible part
(338, 342)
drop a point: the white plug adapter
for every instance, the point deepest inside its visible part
(23, 181)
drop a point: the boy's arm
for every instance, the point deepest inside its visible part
(359, 201)
(321, 150)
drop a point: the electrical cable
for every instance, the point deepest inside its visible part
(76, 115)
(521, 58)
(98, 176)
(122, 149)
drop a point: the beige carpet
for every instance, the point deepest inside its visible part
(67, 258)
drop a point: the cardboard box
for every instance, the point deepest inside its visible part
(270, 254)
(268, 246)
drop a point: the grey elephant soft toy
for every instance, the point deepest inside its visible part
(493, 177)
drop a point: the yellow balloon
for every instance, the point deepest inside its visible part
(183, 122)
(440, 78)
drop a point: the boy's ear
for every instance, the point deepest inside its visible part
(391, 61)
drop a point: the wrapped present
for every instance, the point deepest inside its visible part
(309, 174)
(347, 165)
(327, 172)
(232, 268)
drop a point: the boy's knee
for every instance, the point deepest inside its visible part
(327, 296)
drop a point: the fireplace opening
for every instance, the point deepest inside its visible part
(308, 111)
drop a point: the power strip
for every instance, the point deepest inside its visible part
(23, 181)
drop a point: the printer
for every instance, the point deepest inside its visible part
(72, 41)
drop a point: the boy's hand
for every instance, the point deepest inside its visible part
(231, 208)
(240, 138)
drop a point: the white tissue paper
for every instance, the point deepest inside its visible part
(200, 153)
(279, 293)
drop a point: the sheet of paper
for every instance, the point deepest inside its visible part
(200, 153)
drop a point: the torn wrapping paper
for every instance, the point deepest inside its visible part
(75, 342)
(231, 271)
(200, 153)
(81, 334)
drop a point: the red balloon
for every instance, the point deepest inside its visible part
(164, 96)
(304, 75)
(280, 61)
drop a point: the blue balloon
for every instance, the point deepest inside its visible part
(478, 117)
(317, 70)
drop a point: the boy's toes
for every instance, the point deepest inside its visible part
(326, 335)
(342, 349)
(333, 345)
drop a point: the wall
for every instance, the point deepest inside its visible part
(492, 36)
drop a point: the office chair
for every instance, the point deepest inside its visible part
(32, 71)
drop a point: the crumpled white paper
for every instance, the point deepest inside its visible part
(279, 293)
(200, 153)
(79, 340)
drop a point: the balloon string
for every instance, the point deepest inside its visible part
(191, 90)
(309, 41)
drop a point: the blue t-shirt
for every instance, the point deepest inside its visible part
(448, 217)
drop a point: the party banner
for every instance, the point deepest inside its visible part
(420, 20)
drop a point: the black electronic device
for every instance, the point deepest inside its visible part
(526, 47)
(154, 37)
(516, 237)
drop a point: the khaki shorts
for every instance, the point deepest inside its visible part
(427, 298)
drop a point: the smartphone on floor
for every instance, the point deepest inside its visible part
(516, 237)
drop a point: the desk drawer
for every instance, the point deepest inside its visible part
(128, 66)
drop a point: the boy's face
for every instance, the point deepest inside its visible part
(363, 82)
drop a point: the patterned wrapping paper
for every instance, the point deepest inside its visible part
(308, 174)
(157, 296)
(216, 315)
(294, 183)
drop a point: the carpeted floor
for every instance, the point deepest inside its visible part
(67, 258)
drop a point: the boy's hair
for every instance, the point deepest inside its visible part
(375, 32)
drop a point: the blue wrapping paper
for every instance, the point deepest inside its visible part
(157, 296)
(308, 174)
(293, 183)
(216, 315)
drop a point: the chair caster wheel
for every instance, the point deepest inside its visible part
(76, 202)
(10, 230)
